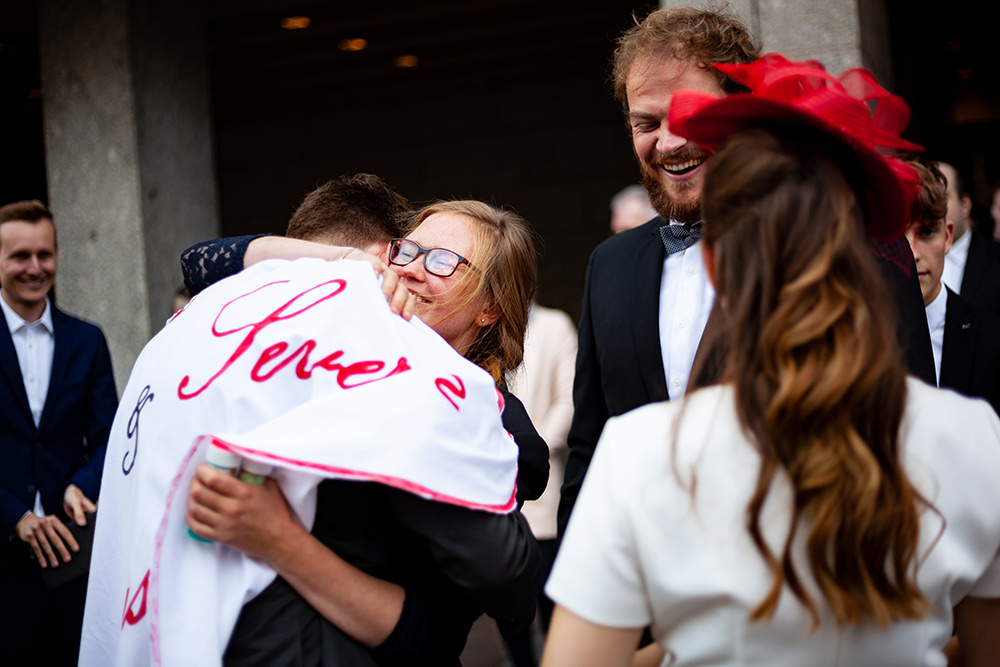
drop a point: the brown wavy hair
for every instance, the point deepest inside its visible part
(819, 379)
(506, 275)
(708, 36)
(931, 207)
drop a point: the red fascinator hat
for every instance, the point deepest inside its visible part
(853, 110)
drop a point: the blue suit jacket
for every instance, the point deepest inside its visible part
(69, 444)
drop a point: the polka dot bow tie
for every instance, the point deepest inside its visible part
(680, 237)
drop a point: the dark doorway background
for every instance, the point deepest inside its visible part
(510, 103)
(945, 66)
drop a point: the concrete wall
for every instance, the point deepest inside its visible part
(839, 33)
(128, 148)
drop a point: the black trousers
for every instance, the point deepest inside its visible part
(278, 628)
(38, 627)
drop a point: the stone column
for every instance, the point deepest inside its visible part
(839, 33)
(129, 157)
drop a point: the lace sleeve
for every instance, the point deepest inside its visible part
(208, 262)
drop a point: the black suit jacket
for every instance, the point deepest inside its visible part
(454, 562)
(68, 445)
(981, 280)
(619, 364)
(970, 355)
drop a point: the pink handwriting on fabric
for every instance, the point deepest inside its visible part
(129, 614)
(445, 386)
(274, 357)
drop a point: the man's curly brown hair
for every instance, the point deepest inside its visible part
(684, 33)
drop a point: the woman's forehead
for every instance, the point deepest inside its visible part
(445, 230)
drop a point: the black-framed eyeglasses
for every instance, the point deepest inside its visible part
(439, 261)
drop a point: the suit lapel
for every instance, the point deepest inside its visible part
(975, 264)
(60, 361)
(958, 349)
(12, 370)
(646, 309)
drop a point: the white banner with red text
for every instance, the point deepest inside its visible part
(300, 365)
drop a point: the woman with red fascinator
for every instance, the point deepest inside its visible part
(817, 507)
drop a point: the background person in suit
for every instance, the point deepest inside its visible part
(630, 208)
(181, 298)
(645, 321)
(995, 210)
(972, 267)
(965, 339)
(58, 400)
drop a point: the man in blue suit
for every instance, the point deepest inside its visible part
(57, 402)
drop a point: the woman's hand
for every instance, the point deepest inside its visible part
(253, 519)
(279, 247)
(400, 300)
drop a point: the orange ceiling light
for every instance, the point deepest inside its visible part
(355, 44)
(408, 60)
(295, 22)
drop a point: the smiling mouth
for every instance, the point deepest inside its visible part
(681, 168)
(419, 299)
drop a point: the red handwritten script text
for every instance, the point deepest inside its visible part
(131, 615)
(277, 356)
(445, 386)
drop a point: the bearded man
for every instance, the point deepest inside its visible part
(645, 322)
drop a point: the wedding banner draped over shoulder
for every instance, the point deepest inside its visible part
(300, 365)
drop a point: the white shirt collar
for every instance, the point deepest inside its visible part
(936, 311)
(15, 322)
(960, 248)
(954, 263)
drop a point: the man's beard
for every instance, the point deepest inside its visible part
(668, 207)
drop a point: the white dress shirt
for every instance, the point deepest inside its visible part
(935, 312)
(686, 298)
(954, 263)
(34, 344)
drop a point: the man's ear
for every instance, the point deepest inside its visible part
(966, 205)
(380, 250)
(708, 257)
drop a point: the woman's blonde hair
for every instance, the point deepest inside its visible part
(505, 275)
(819, 378)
